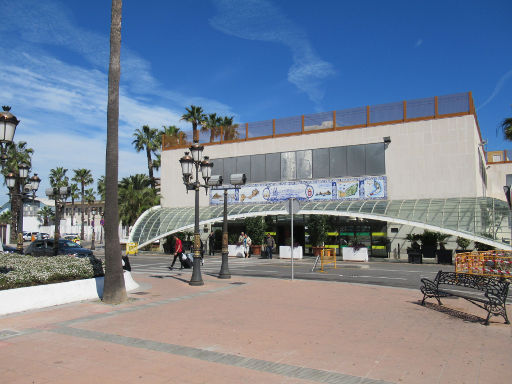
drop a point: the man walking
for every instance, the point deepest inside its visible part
(269, 245)
(178, 252)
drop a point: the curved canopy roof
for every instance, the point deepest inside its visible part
(471, 218)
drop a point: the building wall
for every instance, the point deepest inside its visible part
(426, 159)
(497, 176)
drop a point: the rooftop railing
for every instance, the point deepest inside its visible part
(391, 113)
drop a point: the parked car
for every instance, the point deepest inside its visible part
(27, 236)
(73, 238)
(66, 247)
(44, 236)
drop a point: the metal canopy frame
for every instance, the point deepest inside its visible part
(470, 218)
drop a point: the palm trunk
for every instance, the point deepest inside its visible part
(150, 168)
(114, 289)
(72, 209)
(82, 213)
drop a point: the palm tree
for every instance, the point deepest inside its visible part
(114, 290)
(17, 153)
(5, 217)
(83, 177)
(100, 187)
(174, 136)
(147, 139)
(506, 125)
(212, 124)
(230, 130)
(135, 197)
(196, 117)
(45, 214)
(58, 177)
(74, 195)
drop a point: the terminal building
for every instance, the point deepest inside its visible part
(377, 172)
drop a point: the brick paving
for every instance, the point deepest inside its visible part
(256, 330)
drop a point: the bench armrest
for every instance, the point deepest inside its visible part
(429, 284)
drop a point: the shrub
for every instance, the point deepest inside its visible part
(255, 228)
(463, 243)
(317, 228)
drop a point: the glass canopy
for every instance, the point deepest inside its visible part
(480, 219)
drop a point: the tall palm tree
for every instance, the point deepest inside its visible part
(17, 153)
(196, 117)
(74, 195)
(45, 214)
(135, 197)
(114, 290)
(147, 140)
(506, 125)
(58, 177)
(84, 178)
(212, 124)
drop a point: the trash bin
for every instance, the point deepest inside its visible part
(414, 257)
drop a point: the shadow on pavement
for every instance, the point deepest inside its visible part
(451, 312)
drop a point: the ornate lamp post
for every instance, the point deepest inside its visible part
(8, 124)
(216, 182)
(93, 211)
(188, 163)
(60, 196)
(20, 191)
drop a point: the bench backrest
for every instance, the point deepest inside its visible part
(496, 286)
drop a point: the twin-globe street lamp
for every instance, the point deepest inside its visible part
(18, 189)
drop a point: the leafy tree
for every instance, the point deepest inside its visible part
(5, 217)
(255, 228)
(506, 125)
(83, 177)
(46, 214)
(114, 290)
(196, 117)
(317, 228)
(148, 140)
(90, 198)
(463, 243)
(135, 197)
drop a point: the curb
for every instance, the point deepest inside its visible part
(42, 296)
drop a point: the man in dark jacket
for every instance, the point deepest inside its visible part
(211, 243)
(269, 245)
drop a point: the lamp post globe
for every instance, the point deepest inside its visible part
(35, 181)
(23, 170)
(8, 124)
(10, 180)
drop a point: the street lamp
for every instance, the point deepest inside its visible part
(93, 211)
(8, 124)
(59, 195)
(188, 162)
(21, 192)
(216, 183)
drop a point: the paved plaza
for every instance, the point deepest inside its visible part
(256, 330)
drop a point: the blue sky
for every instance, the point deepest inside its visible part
(252, 59)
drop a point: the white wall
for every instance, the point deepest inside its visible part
(425, 159)
(497, 178)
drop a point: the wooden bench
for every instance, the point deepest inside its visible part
(493, 299)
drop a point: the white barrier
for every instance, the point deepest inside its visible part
(41, 296)
(236, 250)
(350, 254)
(285, 252)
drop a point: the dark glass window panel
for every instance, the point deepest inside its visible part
(320, 163)
(304, 166)
(243, 165)
(273, 167)
(375, 159)
(218, 167)
(288, 166)
(338, 162)
(229, 168)
(257, 168)
(356, 160)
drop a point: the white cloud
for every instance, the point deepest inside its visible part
(261, 20)
(501, 82)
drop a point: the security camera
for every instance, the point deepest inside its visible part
(215, 181)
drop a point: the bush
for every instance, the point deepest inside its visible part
(317, 228)
(255, 228)
(18, 271)
(463, 243)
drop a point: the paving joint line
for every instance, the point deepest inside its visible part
(288, 370)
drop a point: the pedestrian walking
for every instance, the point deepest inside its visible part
(247, 245)
(178, 252)
(211, 243)
(269, 245)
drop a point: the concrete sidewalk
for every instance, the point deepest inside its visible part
(256, 330)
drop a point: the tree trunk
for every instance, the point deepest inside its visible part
(82, 213)
(114, 290)
(150, 168)
(14, 217)
(72, 210)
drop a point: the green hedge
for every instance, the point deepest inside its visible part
(18, 271)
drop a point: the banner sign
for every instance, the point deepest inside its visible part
(339, 189)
